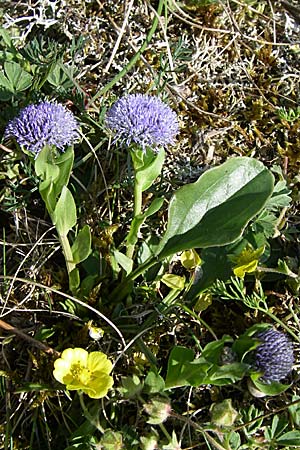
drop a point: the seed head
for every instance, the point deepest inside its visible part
(274, 356)
(43, 124)
(143, 120)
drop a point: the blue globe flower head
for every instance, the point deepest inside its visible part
(43, 124)
(274, 356)
(143, 120)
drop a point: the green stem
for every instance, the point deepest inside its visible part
(137, 209)
(125, 287)
(282, 324)
(67, 253)
(135, 58)
(164, 430)
(87, 414)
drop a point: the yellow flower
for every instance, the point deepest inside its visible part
(83, 371)
(247, 261)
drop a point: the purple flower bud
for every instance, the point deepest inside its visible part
(143, 120)
(274, 356)
(43, 124)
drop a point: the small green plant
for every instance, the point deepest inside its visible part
(289, 115)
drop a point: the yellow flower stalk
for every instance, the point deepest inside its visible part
(83, 371)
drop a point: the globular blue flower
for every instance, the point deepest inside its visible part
(43, 124)
(274, 356)
(143, 120)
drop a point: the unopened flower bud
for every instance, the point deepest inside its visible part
(158, 409)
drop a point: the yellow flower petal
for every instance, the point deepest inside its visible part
(99, 387)
(61, 369)
(240, 271)
(98, 362)
(75, 355)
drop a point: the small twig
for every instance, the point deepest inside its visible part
(118, 41)
(5, 149)
(45, 348)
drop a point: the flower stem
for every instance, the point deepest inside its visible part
(164, 430)
(137, 209)
(125, 287)
(282, 324)
(67, 252)
(88, 416)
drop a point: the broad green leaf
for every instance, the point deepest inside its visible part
(131, 386)
(64, 216)
(47, 192)
(5, 83)
(58, 168)
(183, 370)
(214, 210)
(19, 79)
(58, 77)
(64, 162)
(212, 351)
(44, 165)
(154, 383)
(81, 247)
(147, 173)
(6, 38)
(226, 374)
(274, 388)
(215, 266)
(123, 260)
(74, 280)
(6, 89)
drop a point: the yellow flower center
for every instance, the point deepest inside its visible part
(80, 373)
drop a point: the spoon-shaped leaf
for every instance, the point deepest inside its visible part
(215, 209)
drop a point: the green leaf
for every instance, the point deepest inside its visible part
(5, 88)
(212, 351)
(148, 167)
(64, 162)
(291, 438)
(274, 388)
(74, 280)
(140, 219)
(58, 77)
(183, 370)
(215, 266)
(46, 189)
(44, 165)
(131, 386)
(214, 210)
(64, 216)
(58, 168)
(6, 38)
(18, 78)
(124, 261)
(81, 247)
(226, 374)
(294, 410)
(154, 383)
